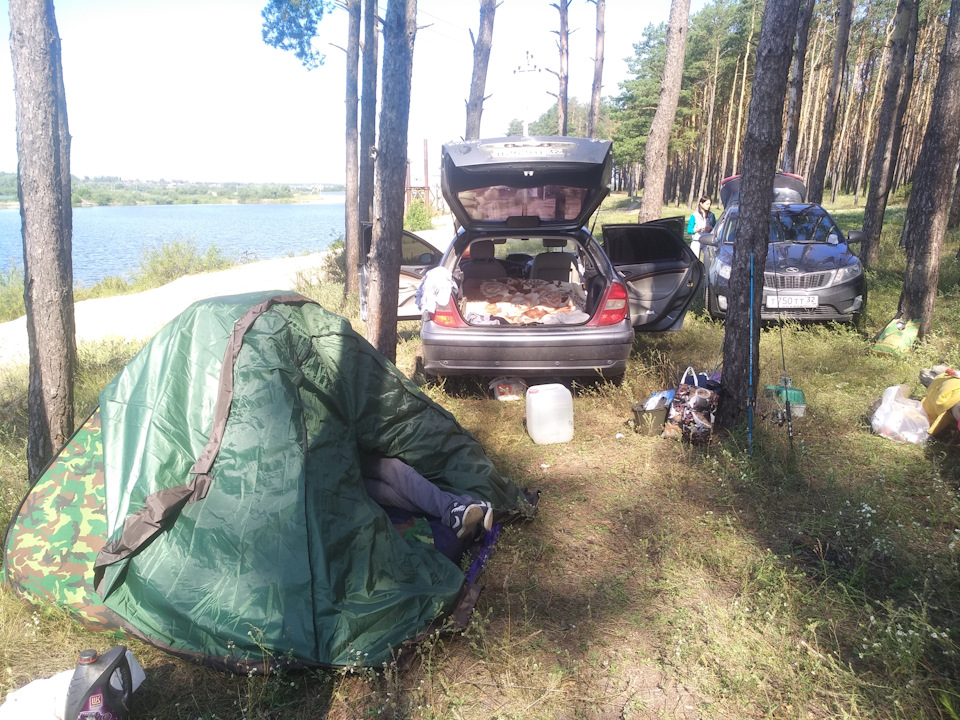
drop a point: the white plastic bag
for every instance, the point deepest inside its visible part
(900, 418)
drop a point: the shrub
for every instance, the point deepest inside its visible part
(418, 217)
(169, 261)
(11, 294)
(334, 268)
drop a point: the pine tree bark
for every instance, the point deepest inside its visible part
(741, 345)
(351, 202)
(881, 169)
(925, 225)
(795, 101)
(399, 33)
(481, 60)
(594, 121)
(658, 139)
(368, 109)
(43, 149)
(844, 20)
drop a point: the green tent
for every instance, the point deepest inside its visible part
(226, 518)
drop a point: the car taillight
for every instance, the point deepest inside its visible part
(447, 316)
(613, 308)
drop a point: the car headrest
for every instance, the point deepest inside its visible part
(481, 250)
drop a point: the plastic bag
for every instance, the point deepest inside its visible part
(692, 411)
(900, 418)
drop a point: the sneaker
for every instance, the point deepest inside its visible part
(465, 518)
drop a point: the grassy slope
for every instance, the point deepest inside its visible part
(817, 578)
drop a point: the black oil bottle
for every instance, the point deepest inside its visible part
(101, 688)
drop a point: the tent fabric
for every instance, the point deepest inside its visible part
(239, 531)
(60, 527)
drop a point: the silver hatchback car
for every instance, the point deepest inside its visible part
(525, 289)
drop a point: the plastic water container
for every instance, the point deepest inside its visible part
(549, 414)
(101, 686)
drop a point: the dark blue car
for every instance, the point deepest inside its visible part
(810, 271)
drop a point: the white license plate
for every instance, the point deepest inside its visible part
(792, 301)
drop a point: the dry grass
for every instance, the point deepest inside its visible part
(816, 579)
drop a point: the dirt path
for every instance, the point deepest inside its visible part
(139, 316)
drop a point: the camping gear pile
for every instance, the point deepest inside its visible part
(905, 419)
(213, 504)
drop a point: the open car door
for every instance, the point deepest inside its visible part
(660, 271)
(417, 257)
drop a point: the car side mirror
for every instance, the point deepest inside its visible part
(855, 236)
(708, 239)
(426, 259)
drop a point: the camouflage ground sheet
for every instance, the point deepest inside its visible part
(55, 537)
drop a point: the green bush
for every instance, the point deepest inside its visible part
(11, 294)
(334, 268)
(418, 217)
(169, 261)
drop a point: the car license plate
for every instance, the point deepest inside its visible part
(792, 301)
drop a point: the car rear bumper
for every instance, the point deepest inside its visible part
(526, 351)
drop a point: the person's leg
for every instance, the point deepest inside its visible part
(390, 481)
(398, 484)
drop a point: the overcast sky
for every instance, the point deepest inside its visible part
(187, 90)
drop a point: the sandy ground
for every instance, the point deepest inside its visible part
(139, 316)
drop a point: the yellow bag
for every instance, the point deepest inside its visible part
(942, 395)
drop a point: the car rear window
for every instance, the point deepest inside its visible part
(547, 202)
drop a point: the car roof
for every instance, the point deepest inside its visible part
(551, 183)
(787, 188)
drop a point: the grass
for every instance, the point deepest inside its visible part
(818, 578)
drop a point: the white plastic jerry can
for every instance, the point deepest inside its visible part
(549, 414)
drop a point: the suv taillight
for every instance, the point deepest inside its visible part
(447, 316)
(614, 306)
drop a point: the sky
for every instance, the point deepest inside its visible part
(187, 89)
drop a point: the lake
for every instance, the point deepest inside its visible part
(109, 241)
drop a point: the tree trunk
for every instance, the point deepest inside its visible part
(796, 88)
(594, 122)
(925, 224)
(351, 203)
(727, 132)
(844, 20)
(399, 33)
(43, 149)
(658, 140)
(737, 131)
(563, 42)
(741, 343)
(481, 59)
(871, 113)
(368, 110)
(953, 222)
(808, 111)
(708, 140)
(883, 155)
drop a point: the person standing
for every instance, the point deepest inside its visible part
(701, 221)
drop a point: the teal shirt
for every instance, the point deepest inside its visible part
(692, 222)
